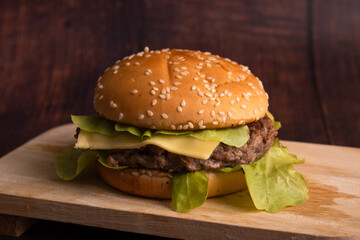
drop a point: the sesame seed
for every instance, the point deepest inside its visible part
(179, 127)
(162, 96)
(101, 97)
(196, 78)
(267, 96)
(212, 113)
(204, 101)
(183, 103)
(173, 127)
(154, 102)
(178, 76)
(135, 91)
(202, 127)
(153, 92)
(217, 104)
(215, 122)
(208, 65)
(161, 81)
(163, 91)
(167, 89)
(152, 83)
(221, 113)
(135, 173)
(140, 54)
(255, 111)
(185, 126)
(179, 109)
(146, 49)
(191, 125)
(201, 122)
(209, 78)
(164, 116)
(141, 116)
(193, 87)
(127, 64)
(237, 99)
(148, 173)
(198, 67)
(226, 91)
(232, 102)
(241, 122)
(243, 106)
(229, 94)
(183, 68)
(200, 94)
(173, 88)
(147, 73)
(176, 70)
(121, 115)
(201, 111)
(99, 78)
(167, 96)
(100, 86)
(208, 94)
(136, 63)
(222, 94)
(167, 56)
(177, 83)
(112, 104)
(115, 72)
(213, 90)
(117, 67)
(150, 113)
(229, 114)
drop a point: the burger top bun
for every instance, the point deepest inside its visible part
(179, 90)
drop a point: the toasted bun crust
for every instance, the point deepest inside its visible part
(155, 184)
(179, 89)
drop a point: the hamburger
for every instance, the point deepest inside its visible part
(184, 125)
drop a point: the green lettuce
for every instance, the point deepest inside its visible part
(94, 123)
(189, 190)
(272, 181)
(71, 161)
(236, 136)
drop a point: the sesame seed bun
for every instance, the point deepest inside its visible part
(157, 184)
(180, 90)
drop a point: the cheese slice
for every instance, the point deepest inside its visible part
(182, 145)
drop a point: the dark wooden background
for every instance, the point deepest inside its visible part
(307, 53)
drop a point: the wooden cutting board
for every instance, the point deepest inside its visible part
(29, 187)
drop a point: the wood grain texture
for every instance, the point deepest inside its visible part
(305, 52)
(336, 38)
(31, 188)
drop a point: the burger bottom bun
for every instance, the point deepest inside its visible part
(157, 184)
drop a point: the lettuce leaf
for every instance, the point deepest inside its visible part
(273, 182)
(189, 190)
(236, 136)
(277, 125)
(71, 162)
(95, 123)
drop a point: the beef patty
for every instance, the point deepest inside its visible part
(262, 134)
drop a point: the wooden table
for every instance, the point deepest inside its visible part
(307, 53)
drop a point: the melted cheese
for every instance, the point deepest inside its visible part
(182, 145)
